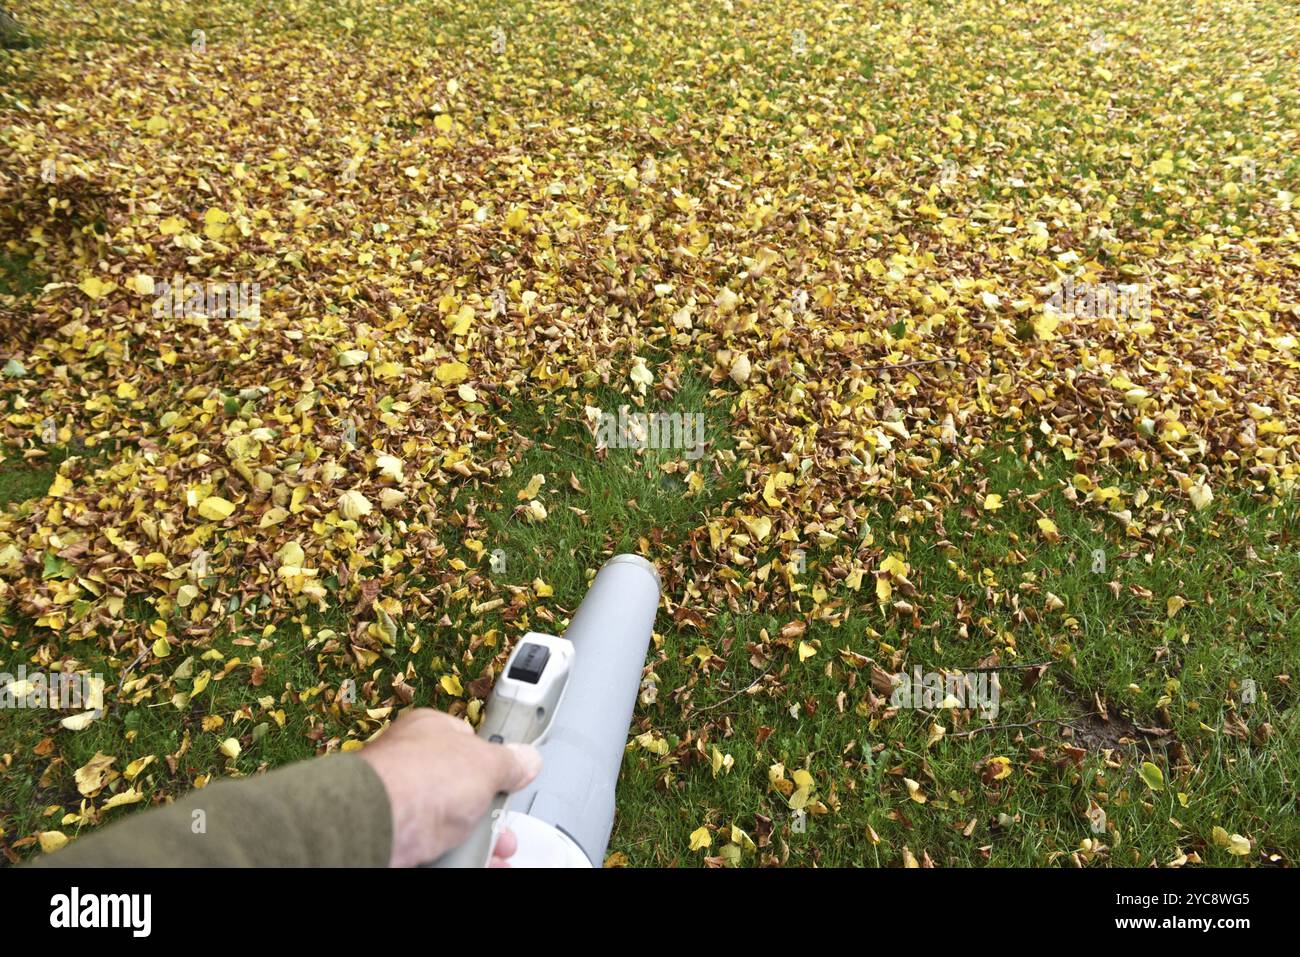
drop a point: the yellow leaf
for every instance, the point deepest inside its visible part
(532, 488)
(1045, 324)
(215, 508)
(701, 838)
(1234, 844)
(391, 467)
(449, 373)
(462, 321)
(516, 218)
(653, 744)
(740, 369)
(216, 223)
(451, 684)
(273, 516)
(1152, 776)
(741, 839)
(775, 483)
(80, 722)
(759, 527)
(1201, 495)
(51, 841)
(93, 287)
(94, 774)
(129, 796)
(352, 357)
(992, 502)
(354, 505)
(641, 376)
(230, 748)
(806, 651)
(893, 564)
(720, 762)
(135, 767)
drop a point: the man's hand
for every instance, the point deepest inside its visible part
(441, 779)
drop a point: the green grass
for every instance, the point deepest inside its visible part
(17, 277)
(618, 501)
(14, 35)
(20, 481)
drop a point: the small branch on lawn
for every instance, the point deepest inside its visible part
(1022, 667)
(126, 671)
(752, 684)
(1028, 725)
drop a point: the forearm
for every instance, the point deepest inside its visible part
(325, 812)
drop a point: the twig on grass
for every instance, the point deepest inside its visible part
(126, 671)
(1026, 725)
(1019, 667)
(752, 684)
(1012, 727)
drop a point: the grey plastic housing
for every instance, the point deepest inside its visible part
(584, 746)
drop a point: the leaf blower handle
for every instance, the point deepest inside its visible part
(520, 708)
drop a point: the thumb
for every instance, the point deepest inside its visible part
(514, 765)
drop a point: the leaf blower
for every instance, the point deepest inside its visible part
(572, 698)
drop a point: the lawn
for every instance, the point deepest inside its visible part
(988, 313)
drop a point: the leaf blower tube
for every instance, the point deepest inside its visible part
(573, 698)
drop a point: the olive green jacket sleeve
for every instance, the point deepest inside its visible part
(325, 812)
